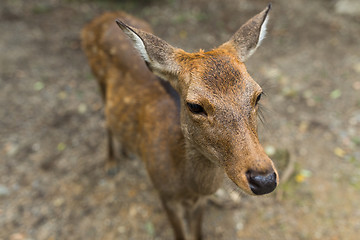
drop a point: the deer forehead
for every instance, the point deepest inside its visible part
(221, 78)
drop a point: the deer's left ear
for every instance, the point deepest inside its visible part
(248, 38)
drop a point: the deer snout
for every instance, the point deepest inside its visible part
(261, 183)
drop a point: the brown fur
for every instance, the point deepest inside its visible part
(185, 154)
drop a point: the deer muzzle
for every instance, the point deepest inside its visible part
(258, 178)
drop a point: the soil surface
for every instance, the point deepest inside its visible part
(53, 143)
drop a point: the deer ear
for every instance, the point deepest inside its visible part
(250, 35)
(158, 54)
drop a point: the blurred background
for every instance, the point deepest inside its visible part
(53, 142)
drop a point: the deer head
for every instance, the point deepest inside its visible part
(219, 100)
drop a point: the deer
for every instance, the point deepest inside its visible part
(190, 117)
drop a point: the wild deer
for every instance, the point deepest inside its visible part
(192, 118)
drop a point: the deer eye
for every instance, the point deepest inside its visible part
(258, 98)
(196, 108)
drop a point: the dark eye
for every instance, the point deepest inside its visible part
(258, 98)
(196, 108)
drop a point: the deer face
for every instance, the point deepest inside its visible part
(219, 118)
(219, 101)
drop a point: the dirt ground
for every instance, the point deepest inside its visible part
(53, 143)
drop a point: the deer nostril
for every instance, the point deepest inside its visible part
(261, 183)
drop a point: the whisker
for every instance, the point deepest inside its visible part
(261, 115)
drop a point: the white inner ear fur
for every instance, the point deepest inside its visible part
(138, 44)
(263, 31)
(261, 37)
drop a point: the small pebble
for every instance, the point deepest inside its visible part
(4, 191)
(335, 94)
(356, 85)
(39, 86)
(11, 149)
(58, 202)
(17, 236)
(270, 150)
(82, 108)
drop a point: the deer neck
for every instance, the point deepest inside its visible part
(204, 177)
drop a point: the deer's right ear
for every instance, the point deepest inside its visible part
(158, 54)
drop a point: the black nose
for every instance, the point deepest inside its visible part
(261, 183)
